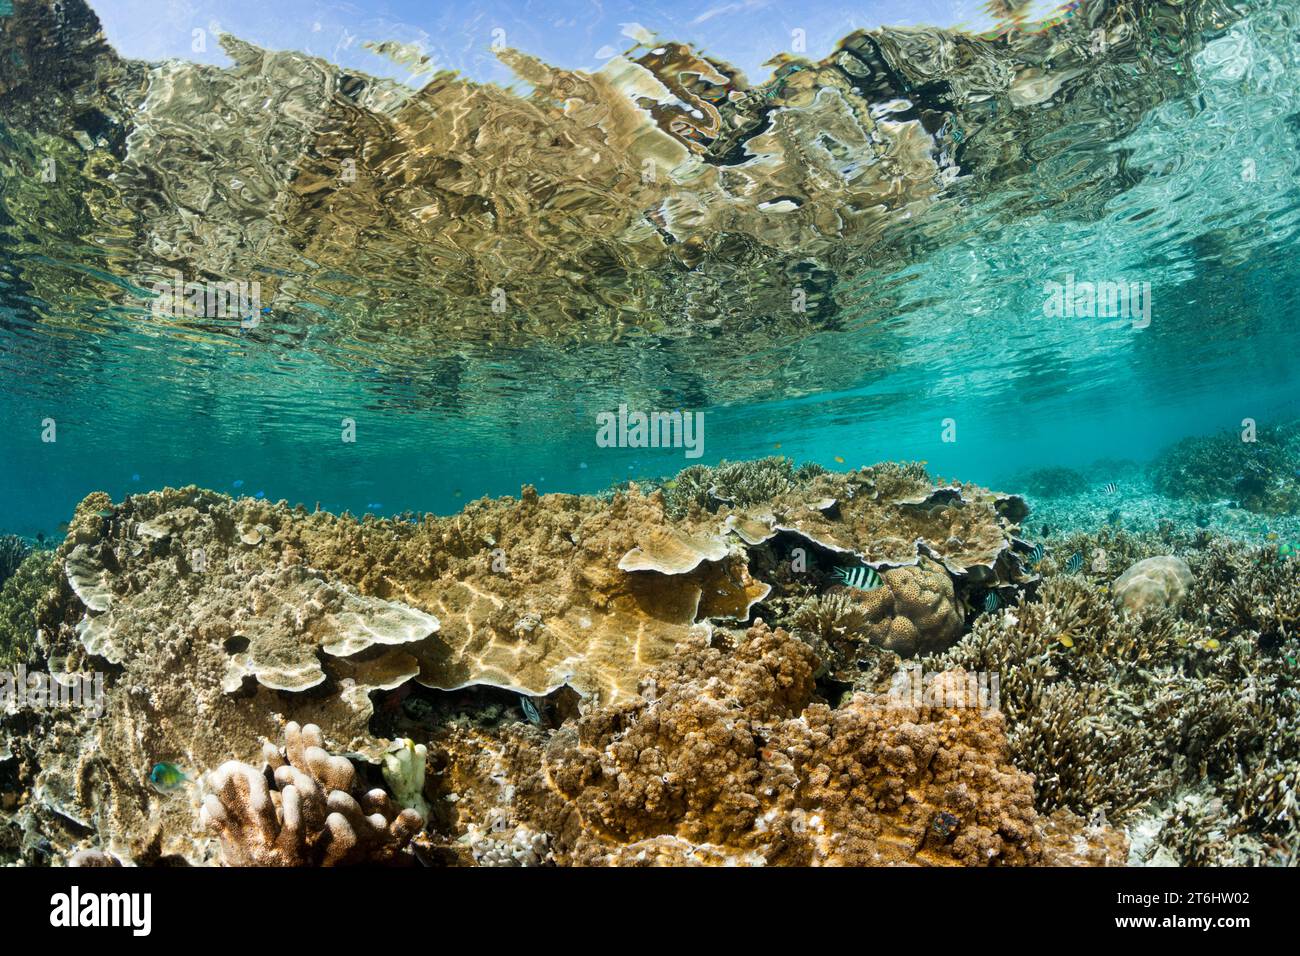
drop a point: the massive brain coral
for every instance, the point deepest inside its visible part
(1153, 585)
(914, 611)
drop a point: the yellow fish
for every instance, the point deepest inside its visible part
(777, 446)
(839, 459)
(1066, 640)
(1212, 644)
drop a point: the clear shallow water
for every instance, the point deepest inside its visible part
(939, 316)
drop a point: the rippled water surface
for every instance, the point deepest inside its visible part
(850, 260)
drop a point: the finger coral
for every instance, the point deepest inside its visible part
(310, 817)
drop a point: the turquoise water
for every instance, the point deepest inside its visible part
(942, 321)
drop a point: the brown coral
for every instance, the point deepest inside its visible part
(914, 611)
(725, 758)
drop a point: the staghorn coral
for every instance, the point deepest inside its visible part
(1120, 714)
(1260, 475)
(311, 816)
(13, 552)
(717, 748)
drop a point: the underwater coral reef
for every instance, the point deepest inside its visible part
(845, 668)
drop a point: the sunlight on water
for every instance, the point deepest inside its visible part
(922, 295)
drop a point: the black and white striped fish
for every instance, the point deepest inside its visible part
(991, 602)
(1036, 555)
(529, 707)
(864, 578)
(1075, 563)
(1110, 488)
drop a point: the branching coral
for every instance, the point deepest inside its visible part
(1258, 474)
(1110, 711)
(13, 551)
(310, 817)
(741, 483)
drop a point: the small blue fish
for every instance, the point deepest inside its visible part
(864, 578)
(260, 494)
(991, 602)
(530, 710)
(135, 477)
(1110, 488)
(1036, 555)
(167, 778)
(374, 506)
(239, 482)
(1075, 563)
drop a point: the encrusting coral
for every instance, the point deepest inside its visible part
(311, 817)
